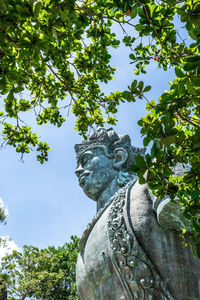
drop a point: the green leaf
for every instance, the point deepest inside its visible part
(134, 11)
(195, 195)
(140, 85)
(171, 139)
(198, 250)
(140, 161)
(132, 56)
(147, 88)
(146, 141)
(134, 168)
(151, 176)
(179, 72)
(155, 186)
(3, 6)
(139, 27)
(134, 84)
(193, 59)
(195, 80)
(142, 180)
(155, 149)
(37, 9)
(128, 96)
(190, 66)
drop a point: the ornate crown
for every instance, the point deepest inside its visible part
(108, 139)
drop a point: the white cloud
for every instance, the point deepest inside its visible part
(7, 245)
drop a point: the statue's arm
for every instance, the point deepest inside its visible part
(170, 215)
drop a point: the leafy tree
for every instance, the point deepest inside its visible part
(52, 49)
(2, 215)
(45, 274)
(58, 51)
(3, 294)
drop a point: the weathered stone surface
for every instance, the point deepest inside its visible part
(131, 249)
(170, 216)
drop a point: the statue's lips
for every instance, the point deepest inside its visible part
(82, 179)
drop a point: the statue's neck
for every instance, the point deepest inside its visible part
(107, 194)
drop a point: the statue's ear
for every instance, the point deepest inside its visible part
(120, 157)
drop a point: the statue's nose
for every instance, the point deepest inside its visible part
(79, 170)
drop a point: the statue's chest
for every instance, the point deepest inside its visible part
(96, 276)
(112, 265)
(97, 248)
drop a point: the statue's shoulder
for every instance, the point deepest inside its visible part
(145, 206)
(139, 209)
(139, 196)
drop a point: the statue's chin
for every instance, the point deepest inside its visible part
(95, 188)
(94, 195)
(91, 195)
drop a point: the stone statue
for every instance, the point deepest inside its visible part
(131, 249)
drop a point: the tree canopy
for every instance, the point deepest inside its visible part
(45, 274)
(58, 52)
(2, 215)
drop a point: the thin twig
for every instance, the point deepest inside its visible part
(187, 120)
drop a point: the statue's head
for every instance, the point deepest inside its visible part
(104, 158)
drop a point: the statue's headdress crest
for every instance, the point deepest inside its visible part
(109, 140)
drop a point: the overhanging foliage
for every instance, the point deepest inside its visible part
(59, 52)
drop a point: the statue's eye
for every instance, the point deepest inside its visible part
(84, 160)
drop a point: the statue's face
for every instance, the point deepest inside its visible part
(95, 172)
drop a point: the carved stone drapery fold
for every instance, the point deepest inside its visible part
(135, 271)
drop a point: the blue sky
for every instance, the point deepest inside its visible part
(45, 203)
